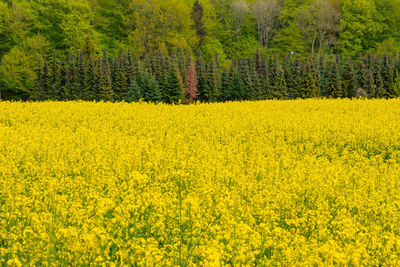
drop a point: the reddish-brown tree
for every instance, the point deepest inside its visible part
(191, 84)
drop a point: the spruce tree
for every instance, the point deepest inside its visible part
(148, 87)
(309, 86)
(91, 81)
(120, 83)
(54, 79)
(279, 88)
(335, 88)
(295, 79)
(173, 92)
(249, 90)
(379, 83)
(397, 84)
(225, 82)
(197, 16)
(63, 78)
(369, 84)
(236, 87)
(105, 84)
(44, 92)
(133, 94)
(203, 83)
(388, 76)
(37, 91)
(191, 84)
(256, 83)
(350, 85)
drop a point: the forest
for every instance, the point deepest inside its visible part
(207, 50)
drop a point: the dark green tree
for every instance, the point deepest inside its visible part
(349, 79)
(235, 90)
(173, 93)
(105, 83)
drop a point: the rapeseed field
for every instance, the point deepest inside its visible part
(305, 182)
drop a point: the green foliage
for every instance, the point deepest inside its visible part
(359, 26)
(18, 66)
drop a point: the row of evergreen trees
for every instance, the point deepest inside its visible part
(178, 78)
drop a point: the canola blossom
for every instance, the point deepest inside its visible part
(304, 182)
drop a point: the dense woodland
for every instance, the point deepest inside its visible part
(208, 50)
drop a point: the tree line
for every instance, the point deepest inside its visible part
(31, 29)
(181, 78)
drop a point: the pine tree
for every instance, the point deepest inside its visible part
(63, 78)
(203, 84)
(191, 84)
(236, 87)
(70, 83)
(369, 84)
(350, 85)
(279, 89)
(120, 83)
(388, 76)
(45, 81)
(148, 87)
(379, 84)
(309, 86)
(37, 92)
(361, 74)
(173, 93)
(225, 82)
(197, 16)
(256, 83)
(243, 68)
(335, 89)
(54, 79)
(294, 79)
(88, 48)
(80, 76)
(91, 81)
(133, 94)
(105, 84)
(396, 91)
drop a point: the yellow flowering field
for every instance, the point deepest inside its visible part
(305, 182)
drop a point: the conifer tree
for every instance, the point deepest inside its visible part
(335, 89)
(70, 83)
(91, 81)
(37, 92)
(350, 85)
(173, 92)
(361, 72)
(63, 78)
(369, 85)
(44, 92)
(197, 16)
(309, 86)
(379, 83)
(203, 84)
(388, 77)
(133, 94)
(191, 84)
(294, 79)
(225, 82)
(149, 88)
(236, 87)
(397, 84)
(54, 79)
(120, 83)
(279, 89)
(105, 84)
(80, 76)
(245, 75)
(256, 83)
